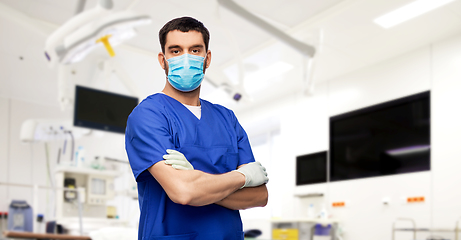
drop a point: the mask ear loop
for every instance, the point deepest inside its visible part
(165, 66)
(204, 65)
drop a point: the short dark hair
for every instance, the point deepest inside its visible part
(183, 24)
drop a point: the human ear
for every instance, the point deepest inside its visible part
(208, 59)
(161, 60)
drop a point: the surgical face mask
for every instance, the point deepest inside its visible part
(185, 72)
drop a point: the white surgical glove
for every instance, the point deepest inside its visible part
(177, 160)
(255, 174)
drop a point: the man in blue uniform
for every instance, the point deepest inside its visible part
(191, 158)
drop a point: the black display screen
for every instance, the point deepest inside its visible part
(311, 168)
(102, 110)
(386, 139)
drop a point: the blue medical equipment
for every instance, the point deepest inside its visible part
(20, 217)
(321, 230)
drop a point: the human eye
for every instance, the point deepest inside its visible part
(174, 50)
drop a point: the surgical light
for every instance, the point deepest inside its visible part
(408, 12)
(85, 32)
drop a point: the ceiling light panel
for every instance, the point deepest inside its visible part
(409, 11)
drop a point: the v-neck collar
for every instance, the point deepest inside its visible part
(184, 108)
(196, 110)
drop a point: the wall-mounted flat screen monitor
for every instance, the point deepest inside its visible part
(311, 168)
(102, 110)
(385, 139)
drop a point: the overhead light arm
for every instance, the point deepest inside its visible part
(80, 6)
(308, 72)
(124, 78)
(78, 36)
(306, 50)
(303, 48)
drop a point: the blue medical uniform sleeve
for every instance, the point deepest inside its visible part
(148, 135)
(243, 144)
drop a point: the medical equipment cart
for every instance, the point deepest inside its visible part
(415, 230)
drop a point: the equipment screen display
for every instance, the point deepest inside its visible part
(386, 139)
(102, 110)
(311, 168)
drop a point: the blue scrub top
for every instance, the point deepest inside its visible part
(215, 144)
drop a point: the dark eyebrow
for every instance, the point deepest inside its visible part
(198, 46)
(174, 46)
(194, 46)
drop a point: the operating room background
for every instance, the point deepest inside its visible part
(280, 128)
(304, 129)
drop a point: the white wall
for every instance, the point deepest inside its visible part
(304, 129)
(4, 117)
(446, 131)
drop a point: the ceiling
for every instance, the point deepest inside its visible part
(342, 31)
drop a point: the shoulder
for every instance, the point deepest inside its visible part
(154, 103)
(149, 112)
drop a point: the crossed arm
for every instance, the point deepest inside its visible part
(246, 198)
(197, 188)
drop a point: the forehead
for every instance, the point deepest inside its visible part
(184, 39)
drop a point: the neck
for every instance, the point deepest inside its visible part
(188, 98)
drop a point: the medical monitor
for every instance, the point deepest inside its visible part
(102, 110)
(311, 168)
(385, 139)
